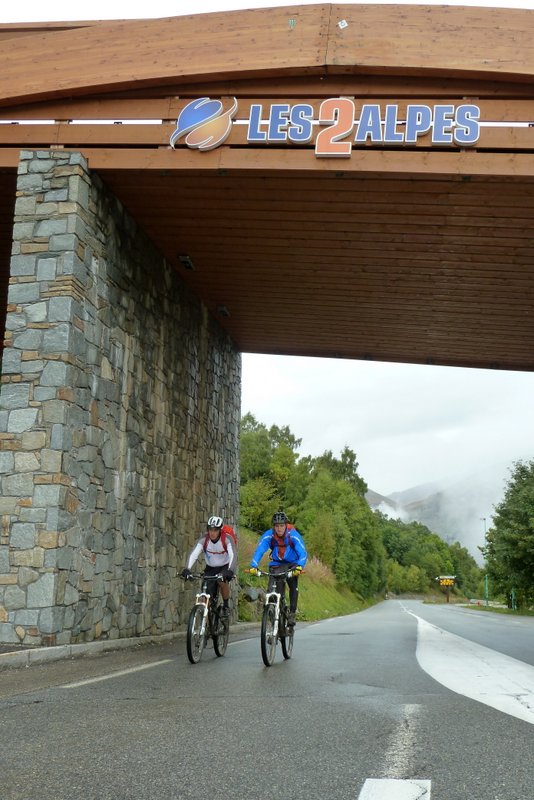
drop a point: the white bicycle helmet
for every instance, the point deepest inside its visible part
(215, 522)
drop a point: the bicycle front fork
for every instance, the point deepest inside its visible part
(273, 598)
(203, 599)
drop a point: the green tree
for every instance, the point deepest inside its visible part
(258, 499)
(509, 548)
(256, 449)
(344, 468)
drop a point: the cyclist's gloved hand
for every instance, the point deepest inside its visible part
(254, 571)
(228, 574)
(296, 571)
(186, 573)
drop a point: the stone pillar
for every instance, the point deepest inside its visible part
(119, 417)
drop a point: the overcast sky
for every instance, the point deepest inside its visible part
(37, 10)
(408, 424)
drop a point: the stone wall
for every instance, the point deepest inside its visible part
(119, 418)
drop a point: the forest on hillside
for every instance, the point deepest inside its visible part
(324, 497)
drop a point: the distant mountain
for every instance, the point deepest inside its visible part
(459, 512)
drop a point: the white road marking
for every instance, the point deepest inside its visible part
(475, 671)
(392, 789)
(114, 674)
(398, 758)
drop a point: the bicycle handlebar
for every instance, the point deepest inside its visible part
(280, 574)
(195, 575)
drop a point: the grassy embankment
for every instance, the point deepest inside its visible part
(319, 595)
(507, 611)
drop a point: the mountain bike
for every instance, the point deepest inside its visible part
(206, 620)
(275, 617)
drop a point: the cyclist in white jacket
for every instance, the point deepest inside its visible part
(220, 555)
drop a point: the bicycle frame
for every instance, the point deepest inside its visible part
(273, 606)
(275, 599)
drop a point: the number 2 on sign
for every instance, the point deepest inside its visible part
(338, 114)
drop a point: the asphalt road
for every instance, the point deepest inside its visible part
(352, 708)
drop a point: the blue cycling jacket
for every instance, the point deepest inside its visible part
(295, 549)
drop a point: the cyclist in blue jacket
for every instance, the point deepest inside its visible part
(288, 551)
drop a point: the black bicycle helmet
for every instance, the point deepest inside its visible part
(215, 522)
(279, 518)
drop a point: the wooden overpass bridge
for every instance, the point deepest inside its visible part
(372, 194)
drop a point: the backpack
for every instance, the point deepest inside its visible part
(287, 535)
(226, 530)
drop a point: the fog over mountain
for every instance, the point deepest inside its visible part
(460, 511)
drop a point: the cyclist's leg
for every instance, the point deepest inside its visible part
(293, 584)
(224, 588)
(213, 586)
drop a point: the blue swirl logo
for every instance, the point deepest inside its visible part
(204, 123)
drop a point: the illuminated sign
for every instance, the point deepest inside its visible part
(340, 124)
(447, 580)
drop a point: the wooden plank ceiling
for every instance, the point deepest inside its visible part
(409, 254)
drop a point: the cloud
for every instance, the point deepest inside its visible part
(408, 424)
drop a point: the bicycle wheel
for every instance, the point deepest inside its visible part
(195, 639)
(221, 632)
(268, 638)
(286, 636)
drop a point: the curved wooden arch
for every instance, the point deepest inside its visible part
(101, 57)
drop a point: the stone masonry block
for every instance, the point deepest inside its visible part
(51, 460)
(25, 206)
(36, 312)
(26, 462)
(19, 293)
(70, 264)
(60, 309)
(57, 339)
(54, 374)
(14, 395)
(22, 231)
(17, 485)
(14, 598)
(30, 339)
(11, 361)
(30, 182)
(46, 269)
(7, 462)
(46, 495)
(56, 195)
(15, 322)
(40, 393)
(33, 440)
(31, 367)
(22, 535)
(23, 265)
(61, 438)
(55, 411)
(27, 618)
(51, 619)
(79, 191)
(50, 227)
(21, 420)
(41, 594)
(7, 633)
(63, 241)
(41, 165)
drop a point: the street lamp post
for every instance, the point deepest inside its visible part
(486, 584)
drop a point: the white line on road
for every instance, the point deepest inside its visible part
(475, 671)
(114, 674)
(391, 789)
(398, 758)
